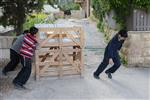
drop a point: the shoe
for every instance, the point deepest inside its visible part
(95, 76)
(19, 87)
(25, 88)
(4, 72)
(109, 75)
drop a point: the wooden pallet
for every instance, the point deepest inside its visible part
(60, 52)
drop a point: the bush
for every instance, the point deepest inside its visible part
(123, 59)
(36, 18)
(13, 34)
(69, 6)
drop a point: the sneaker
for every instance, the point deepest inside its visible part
(95, 76)
(109, 75)
(25, 88)
(4, 73)
(18, 86)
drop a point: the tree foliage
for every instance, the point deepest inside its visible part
(69, 6)
(15, 11)
(122, 8)
(52, 2)
(36, 18)
(100, 8)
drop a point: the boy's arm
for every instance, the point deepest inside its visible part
(121, 45)
(110, 50)
(110, 53)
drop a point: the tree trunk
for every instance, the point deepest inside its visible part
(19, 29)
(20, 18)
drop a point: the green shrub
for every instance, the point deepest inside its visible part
(36, 18)
(13, 34)
(69, 6)
(123, 59)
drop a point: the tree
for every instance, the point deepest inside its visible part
(122, 8)
(52, 2)
(15, 11)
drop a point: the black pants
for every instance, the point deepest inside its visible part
(14, 61)
(104, 64)
(25, 72)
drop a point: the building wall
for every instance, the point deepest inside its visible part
(138, 48)
(5, 44)
(78, 14)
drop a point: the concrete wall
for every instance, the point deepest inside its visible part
(5, 44)
(78, 14)
(137, 48)
(74, 14)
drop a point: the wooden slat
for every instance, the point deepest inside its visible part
(36, 65)
(58, 59)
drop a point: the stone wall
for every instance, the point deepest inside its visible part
(137, 48)
(74, 14)
(78, 14)
(5, 44)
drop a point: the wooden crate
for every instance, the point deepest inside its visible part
(59, 52)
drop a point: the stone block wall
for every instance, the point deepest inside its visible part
(78, 14)
(137, 48)
(5, 44)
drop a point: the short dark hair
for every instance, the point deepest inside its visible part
(33, 30)
(25, 31)
(123, 33)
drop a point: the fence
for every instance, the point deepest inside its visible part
(141, 20)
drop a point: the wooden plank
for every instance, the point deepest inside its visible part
(82, 63)
(60, 57)
(82, 38)
(48, 63)
(58, 60)
(59, 29)
(66, 73)
(73, 64)
(36, 65)
(58, 44)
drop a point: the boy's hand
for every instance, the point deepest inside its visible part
(111, 61)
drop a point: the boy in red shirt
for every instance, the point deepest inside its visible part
(26, 52)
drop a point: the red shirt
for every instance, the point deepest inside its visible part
(28, 46)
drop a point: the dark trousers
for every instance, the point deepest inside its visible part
(104, 64)
(14, 61)
(25, 72)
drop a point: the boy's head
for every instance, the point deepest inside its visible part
(26, 31)
(33, 30)
(123, 34)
